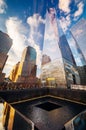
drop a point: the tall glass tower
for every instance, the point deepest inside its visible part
(78, 32)
(61, 70)
(27, 66)
(5, 45)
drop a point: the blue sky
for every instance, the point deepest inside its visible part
(24, 21)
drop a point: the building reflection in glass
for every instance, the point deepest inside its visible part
(60, 70)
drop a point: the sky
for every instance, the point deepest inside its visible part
(24, 21)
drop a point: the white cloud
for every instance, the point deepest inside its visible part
(35, 35)
(34, 21)
(16, 31)
(80, 9)
(8, 67)
(64, 5)
(3, 6)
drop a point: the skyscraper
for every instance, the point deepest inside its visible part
(27, 66)
(45, 59)
(79, 33)
(61, 70)
(5, 45)
(5, 42)
(82, 73)
(13, 73)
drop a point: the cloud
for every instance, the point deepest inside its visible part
(35, 20)
(15, 30)
(19, 34)
(80, 9)
(36, 35)
(64, 5)
(3, 6)
(8, 67)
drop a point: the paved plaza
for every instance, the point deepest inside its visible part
(49, 113)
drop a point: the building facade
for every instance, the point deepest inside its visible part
(13, 73)
(5, 42)
(45, 59)
(25, 70)
(61, 70)
(79, 34)
(5, 45)
(82, 73)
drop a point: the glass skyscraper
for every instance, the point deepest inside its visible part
(5, 45)
(5, 42)
(61, 70)
(79, 34)
(25, 70)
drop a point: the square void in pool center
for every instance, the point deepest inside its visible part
(48, 106)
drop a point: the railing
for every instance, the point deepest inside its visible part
(79, 87)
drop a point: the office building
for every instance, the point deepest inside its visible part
(5, 42)
(61, 71)
(45, 59)
(13, 73)
(82, 73)
(5, 45)
(79, 34)
(26, 69)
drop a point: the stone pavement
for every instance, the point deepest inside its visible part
(46, 118)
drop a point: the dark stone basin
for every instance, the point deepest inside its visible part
(48, 106)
